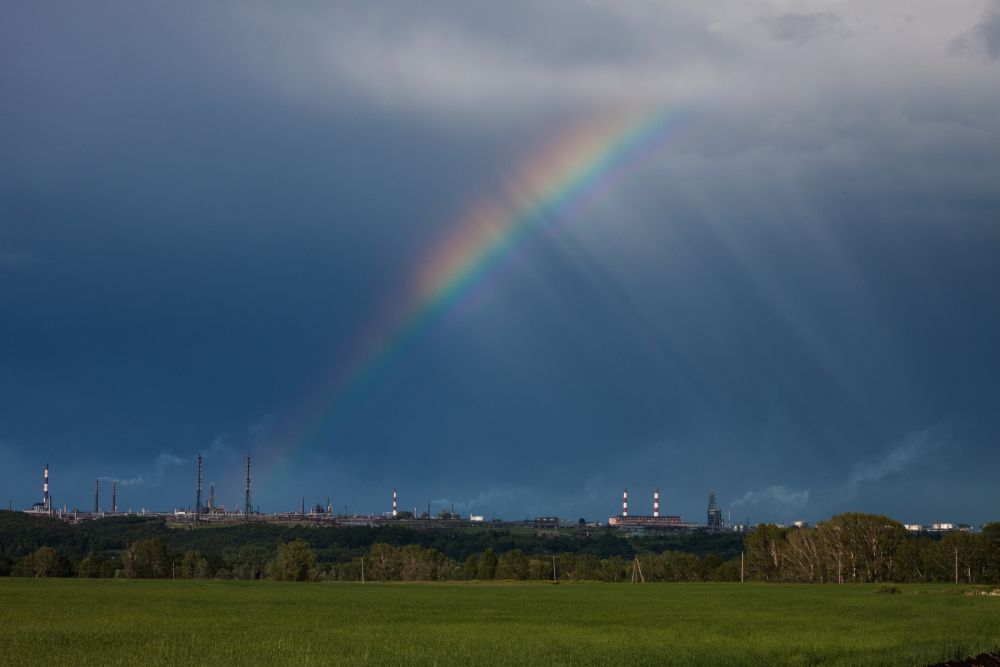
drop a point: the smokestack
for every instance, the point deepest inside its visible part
(97, 496)
(625, 503)
(114, 497)
(394, 503)
(211, 497)
(303, 512)
(197, 500)
(46, 501)
(656, 502)
(246, 504)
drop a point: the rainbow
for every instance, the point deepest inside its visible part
(559, 183)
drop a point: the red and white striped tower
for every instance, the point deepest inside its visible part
(656, 503)
(394, 503)
(46, 501)
(625, 503)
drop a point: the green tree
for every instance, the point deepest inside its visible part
(990, 539)
(870, 542)
(90, 567)
(613, 569)
(44, 562)
(193, 565)
(765, 546)
(146, 559)
(470, 569)
(513, 565)
(587, 568)
(487, 565)
(382, 563)
(294, 561)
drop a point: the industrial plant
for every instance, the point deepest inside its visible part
(212, 512)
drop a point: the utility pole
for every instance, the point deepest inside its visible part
(956, 565)
(554, 577)
(637, 571)
(741, 567)
(362, 569)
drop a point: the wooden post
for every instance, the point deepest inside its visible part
(741, 567)
(956, 565)
(554, 577)
(362, 569)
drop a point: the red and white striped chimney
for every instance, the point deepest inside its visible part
(394, 503)
(656, 502)
(625, 503)
(45, 490)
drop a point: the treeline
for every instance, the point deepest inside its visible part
(847, 548)
(296, 561)
(871, 548)
(250, 545)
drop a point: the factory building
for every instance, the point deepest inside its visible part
(653, 521)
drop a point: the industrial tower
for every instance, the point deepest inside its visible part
(246, 501)
(714, 513)
(197, 496)
(46, 500)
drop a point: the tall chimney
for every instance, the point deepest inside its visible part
(625, 503)
(46, 501)
(114, 497)
(211, 497)
(197, 501)
(246, 502)
(394, 503)
(97, 495)
(656, 502)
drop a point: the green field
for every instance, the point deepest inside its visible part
(111, 622)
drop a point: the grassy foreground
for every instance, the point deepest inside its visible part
(114, 622)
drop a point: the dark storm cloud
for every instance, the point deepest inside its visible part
(983, 39)
(202, 208)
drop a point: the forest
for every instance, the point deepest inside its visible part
(847, 548)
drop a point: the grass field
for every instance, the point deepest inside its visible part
(114, 622)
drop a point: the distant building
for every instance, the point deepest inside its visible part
(714, 513)
(646, 521)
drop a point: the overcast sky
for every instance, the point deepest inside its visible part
(795, 301)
